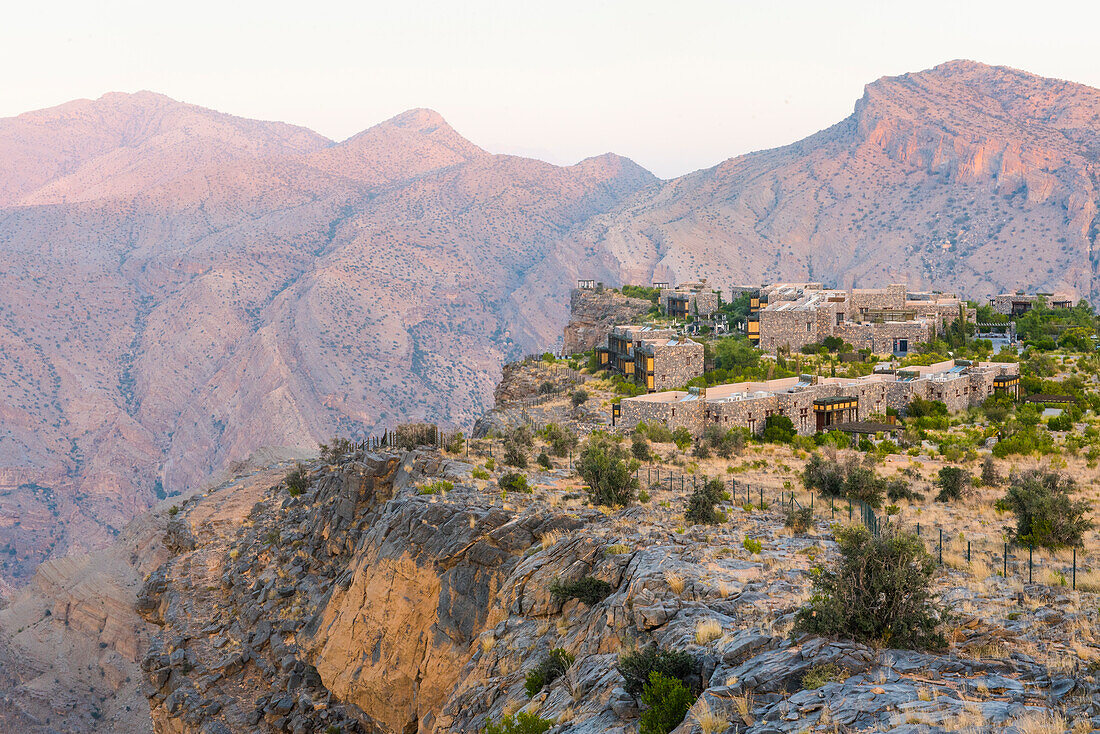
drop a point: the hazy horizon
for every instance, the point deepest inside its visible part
(673, 89)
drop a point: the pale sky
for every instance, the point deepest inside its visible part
(675, 85)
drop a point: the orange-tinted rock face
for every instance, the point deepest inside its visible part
(181, 286)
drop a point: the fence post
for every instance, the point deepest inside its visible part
(1004, 574)
(941, 546)
(1075, 568)
(968, 552)
(1030, 548)
(761, 498)
(918, 528)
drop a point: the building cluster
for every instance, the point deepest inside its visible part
(816, 404)
(888, 320)
(656, 358)
(688, 300)
(1015, 304)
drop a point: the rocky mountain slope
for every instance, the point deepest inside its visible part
(379, 600)
(963, 177)
(181, 287)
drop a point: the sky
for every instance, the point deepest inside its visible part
(676, 86)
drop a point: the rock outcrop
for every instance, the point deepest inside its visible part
(593, 312)
(399, 594)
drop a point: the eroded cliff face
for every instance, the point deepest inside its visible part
(400, 594)
(592, 313)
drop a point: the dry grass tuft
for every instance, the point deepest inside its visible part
(707, 630)
(1041, 722)
(711, 721)
(744, 706)
(675, 582)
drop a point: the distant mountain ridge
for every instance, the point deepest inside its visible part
(181, 286)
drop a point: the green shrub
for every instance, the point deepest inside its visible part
(514, 481)
(659, 433)
(588, 589)
(668, 701)
(437, 487)
(990, 478)
(879, 591)
(702, 501)
(1046, 513)
(1063, 422)
(514, 455)
(919, 408)
(479, 473)
(636, 667)
(297, 481)
(953, 483)
(603, 466)
(543, 461)
(639, 447)
(579, 397)
(799, 519)
(552, 667)
(456, 444)
(752, 546)
(778, 429)
(520, 723)
(561, 440)
(819, 675)
(490, 463)
(682, 438)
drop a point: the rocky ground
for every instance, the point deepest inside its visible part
(382, 600)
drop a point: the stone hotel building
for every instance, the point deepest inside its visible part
(821, 403)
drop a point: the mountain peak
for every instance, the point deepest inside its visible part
(420, 119)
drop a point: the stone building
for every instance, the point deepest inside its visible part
(654, 357)
(819, 403)
(883, 320)
(687, 300)
(664, 364)
(1014, 304)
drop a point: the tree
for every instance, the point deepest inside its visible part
(990, 478)
(579, 397)
(1046, 513)
(702, 501)
(636, 666)
(953, 482)
(605, 468)
(639, 447)
(668, 701)
(878, 591)
(778, 429)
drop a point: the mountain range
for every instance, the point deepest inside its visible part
(181, 286)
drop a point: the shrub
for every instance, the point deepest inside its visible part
(456, 443)
(297, 481)
(410, 435)
(778, 429)
(1063, 422)
(437, 487)
(579, 397)
(589, 590)
(514, 455)
(819, 675)
(520, 723)
(990, 478)
(603, 466)
(546, 388)
(863, 485)
(953, 482)
(920, 408)
(639, 447)
(561, 440)
(799, 519)
(513, 481)
(544, 461)
(1046, 514)
(878, 591)
(552, 667)
(702, 501)
(635, 667)
(332, 452)
(659, 433)
(668, 700)
(682, 438)
(825, 476)
(752, 546)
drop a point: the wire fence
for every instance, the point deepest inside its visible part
(948, 547)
